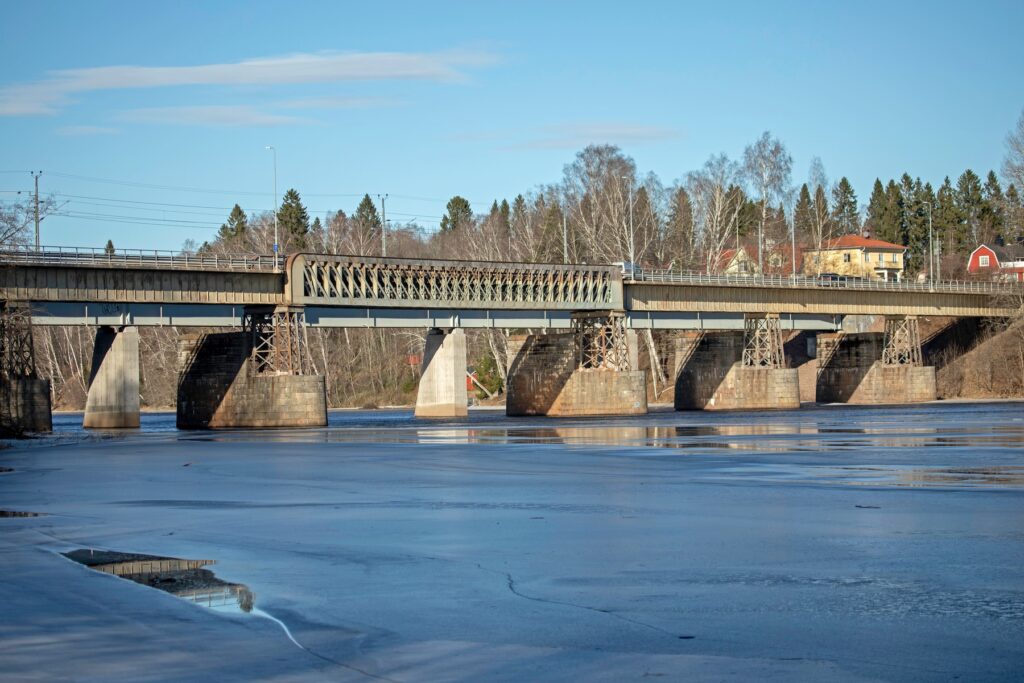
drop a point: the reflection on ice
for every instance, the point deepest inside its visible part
(185, 579)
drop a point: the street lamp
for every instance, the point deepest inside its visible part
(272, 149)
(931, 249)
(632, 254)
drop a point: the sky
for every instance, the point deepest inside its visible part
(150, 120)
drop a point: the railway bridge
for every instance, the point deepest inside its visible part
(578, 358)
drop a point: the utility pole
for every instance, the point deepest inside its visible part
(383, 226)
(35, 176)
(565, 238)
(272, 149)
(632, 253)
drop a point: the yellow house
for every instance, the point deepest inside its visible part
(856, 256)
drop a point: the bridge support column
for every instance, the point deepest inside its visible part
(872, 368)
(260, 377)
(113, 399)
(733, 371)
(24, 398)
(442, 391)
(590, 371)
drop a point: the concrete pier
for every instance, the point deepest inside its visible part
(113, 399)
(710, 375)
(850, 370)
(442, 391)
(218, 388)
(544, 379)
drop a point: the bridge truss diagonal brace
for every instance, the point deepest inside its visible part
(601, 340)
(277, 341)
(762, 342)
(17, 355)
(902, 341)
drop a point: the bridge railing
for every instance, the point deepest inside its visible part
(638, 275)
(135, 258)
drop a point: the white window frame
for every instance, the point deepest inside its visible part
(983, 261)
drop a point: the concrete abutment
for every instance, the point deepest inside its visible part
(113, 398)
(442, 390)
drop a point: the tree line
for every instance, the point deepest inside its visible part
(604, 210)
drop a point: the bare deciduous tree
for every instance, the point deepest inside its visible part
(767, 166)
(716, 206)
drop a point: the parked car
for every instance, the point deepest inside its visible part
(831, 277)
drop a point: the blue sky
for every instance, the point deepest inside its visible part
(426, 100)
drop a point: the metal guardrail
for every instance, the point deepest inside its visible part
(166, 259)
(638, 275)
(136, 258)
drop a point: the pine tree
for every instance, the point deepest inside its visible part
(236, 225)
(876, 214)
(505, 212)
(891, 227)
(1014, 231)
(946, 218)
(109, 249)
(992, 216)
(844, 208)
(803, 214)
(680, 238)
(366, 221)
(968, 203)
(293, 221)
(458, 215)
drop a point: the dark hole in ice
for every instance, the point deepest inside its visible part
(18, 513)
(186, 579)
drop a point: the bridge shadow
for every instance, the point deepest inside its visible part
(843, 367)
(212, 362)
(539, 372)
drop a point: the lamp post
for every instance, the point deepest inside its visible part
(632, 253)
(383, 226)
(272, 149)
(931, 249)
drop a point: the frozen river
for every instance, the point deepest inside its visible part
(830, 543)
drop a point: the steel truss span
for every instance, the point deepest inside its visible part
(355, 281)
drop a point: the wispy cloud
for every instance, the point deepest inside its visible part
(48, 95)
(574, 136)
(210, 115)
(85, 130)
(337, 103)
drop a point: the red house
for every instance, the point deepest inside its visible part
(1004, 262)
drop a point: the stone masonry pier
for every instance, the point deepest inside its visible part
(710, 375)
(544, 378)
(851, 370)
(218, 387)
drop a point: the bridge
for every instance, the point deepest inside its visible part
(592, 311)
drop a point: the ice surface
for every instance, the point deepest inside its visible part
(837, 543)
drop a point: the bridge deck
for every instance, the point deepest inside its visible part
(499, 290)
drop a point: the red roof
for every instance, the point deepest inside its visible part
(858, 242)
